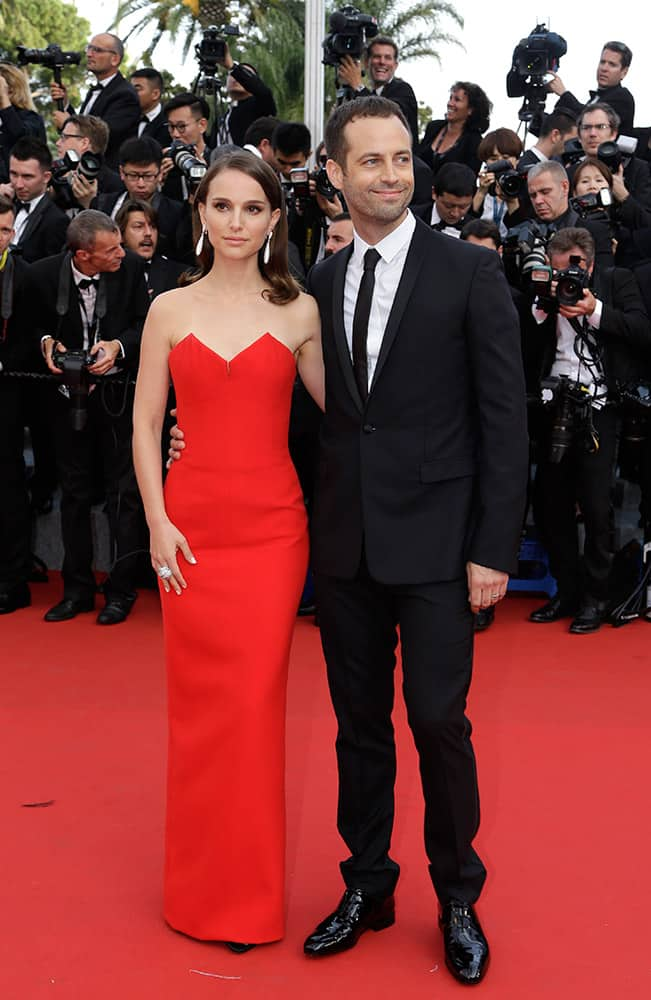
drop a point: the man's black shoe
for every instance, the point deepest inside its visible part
(357, 912)
(69, 608)
(589, 617)
(14, 598)
(557, 608)
(466, 948)
(483, 619)
(115, 610)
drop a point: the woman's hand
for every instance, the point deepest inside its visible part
(165, 541)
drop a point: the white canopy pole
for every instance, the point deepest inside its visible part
(314, 35)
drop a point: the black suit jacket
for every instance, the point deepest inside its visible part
(17, 350)
(402, 94)
(119, 107)
(44, 233)
(169, 214)
(157, 129)
(162, 275)
(259, 105)
(619, 98)
(431, 470)
(126, 299)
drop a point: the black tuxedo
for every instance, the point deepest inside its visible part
(117, 104)
(106, 439)
(44, 233)
(169, 214)
(157, 129)
(619, 98)
(428, 473)
(402, 94)
(162, 274)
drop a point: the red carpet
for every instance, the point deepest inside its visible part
(561, 731)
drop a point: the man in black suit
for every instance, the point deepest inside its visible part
(187, 120)
(600, 339)
(73, 191)
(382, 63)
(417, 517)
(451, 201)
(40, 226)
(250, 98)
(613, 66)
(138, 224)
(111, 98)
(93, 299)
(148, 84)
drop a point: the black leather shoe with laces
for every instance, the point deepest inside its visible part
(557, 608)
(69, 608)
(466, 948)
(357, 912)
(589, 617)
(115, 610)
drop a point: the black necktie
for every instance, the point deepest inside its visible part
(85, 283)
(22, 205)
(360, 321)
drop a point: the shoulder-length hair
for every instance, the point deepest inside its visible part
(283, 287)
(592, 161)
(18, 84)
(479, 102)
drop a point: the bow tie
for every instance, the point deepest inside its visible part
(440, 226)
(95, 88)
(23, 206)
(85, 283)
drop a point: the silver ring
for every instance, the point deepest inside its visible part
(164, 572)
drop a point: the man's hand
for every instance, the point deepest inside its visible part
(83, 189)
(227, 62)
(58, 92)
(8, 191)
(485, 586)
(107, 352)
(620, 191)
(349, 71)
(167, 164)
(556, 85)
(584, 307)
(48, 347)
(177, 443)
(59, 118)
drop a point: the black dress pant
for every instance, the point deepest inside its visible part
(15, 512)
(107, 437)
(587, 479)
(359, 620)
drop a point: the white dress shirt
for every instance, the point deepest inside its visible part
(566, 360)
(22, 218)
(88, 109)
(149, 115)
(88, 298)
(388, 272)
(447, 230)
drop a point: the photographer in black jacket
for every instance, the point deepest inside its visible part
(381, 63)
(250, 98)
(90, 303)
(613, 66)
(592, 332)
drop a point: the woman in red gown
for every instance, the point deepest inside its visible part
(229, 541)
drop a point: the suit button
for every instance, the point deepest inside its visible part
(369, 428)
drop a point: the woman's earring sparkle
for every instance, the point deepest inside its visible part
(266, 255)
(199, 246)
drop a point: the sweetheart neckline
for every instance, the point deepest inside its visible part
(230, 361)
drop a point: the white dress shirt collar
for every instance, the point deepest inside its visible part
(390, 245)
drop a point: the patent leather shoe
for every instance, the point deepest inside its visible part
(115, 610)
(557, 608)
(589, 618)
(483, 619)
(69, 608)
(13, 598)
(358, 911)
(239, 947)
(466, 948)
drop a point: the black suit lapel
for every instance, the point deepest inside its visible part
(338, 328)
(34, 220)
(413, 264)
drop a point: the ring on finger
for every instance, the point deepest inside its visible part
(164, 572)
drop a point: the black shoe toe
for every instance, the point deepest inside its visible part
(14, 598)
(115, 611)
(69, 608)
(466, 948)
(358, 911)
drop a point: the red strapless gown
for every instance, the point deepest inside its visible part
(236, 498)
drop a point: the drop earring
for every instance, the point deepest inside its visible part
(199, 246)
(266, 254)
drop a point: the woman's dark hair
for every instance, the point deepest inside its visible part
(283, 287)
(479, 119)
(504, 140)
(592, 161)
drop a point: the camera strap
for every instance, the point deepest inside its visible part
(7, 301)
(92, 324)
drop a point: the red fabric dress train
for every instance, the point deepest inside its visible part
(236, 498)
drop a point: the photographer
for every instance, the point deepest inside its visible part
(111, 98)
(599, 124)
(250, 99)
(602, 196)
(555, 130)
(73, 189)
(591, 332)
(88, 309)
(501, 149)
(187, 120)
(381, 64)
(18, 116)
(613, 66)
(307, 207)
(148, 85)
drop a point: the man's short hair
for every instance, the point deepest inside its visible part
(29, 148)
(92, 128)
(148, 73)
(553, 167)
(198, 105)
(140, 152)
(382, 40)
(349, 111)
(566, 239)
(84, 228)
(504, 140)
(456, 179)
(117, 43)
(341, 217)
(482, 229)
(622, 49)
(132, 205)
(564, 121)
(292, 137)
(261, 128)
(613, 118)
(7, 205)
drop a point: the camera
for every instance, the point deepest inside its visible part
(52, 57)
(210, 52)
(185, 158)
(593, 206)
(77, 380)
(572, 152)
(572, 418)
(512, 183)
(88, 165)
(525, 260)
(634, 399)
(534, 56)
(349, 32)
(299, 179)
(613, 154)
(571, 283)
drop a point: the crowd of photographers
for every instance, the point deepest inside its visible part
(90, 236)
